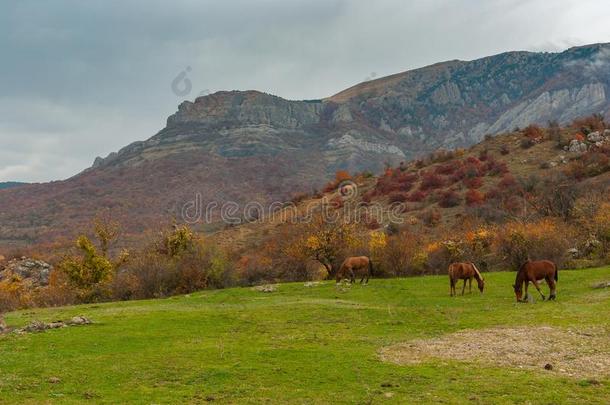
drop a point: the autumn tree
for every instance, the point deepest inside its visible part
(325, 241)
(90, 269)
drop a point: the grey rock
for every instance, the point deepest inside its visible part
(595, 137)
(79, 320)
(577, 146)
(31, 271)
(266, 288)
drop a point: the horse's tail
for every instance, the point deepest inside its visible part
(556, 272)
(370, 267)
(450, 271)
(339, 273)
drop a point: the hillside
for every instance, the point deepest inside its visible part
(251, 146)
(10, 184)
(320, 344)
(516, 175)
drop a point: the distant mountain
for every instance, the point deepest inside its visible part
(10, 184)
(241, 146)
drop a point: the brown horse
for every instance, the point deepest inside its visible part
(360, 266)
(536, 271)
(464, 271)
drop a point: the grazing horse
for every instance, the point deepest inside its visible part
(464, 271)
(360, 266)
(536, 271)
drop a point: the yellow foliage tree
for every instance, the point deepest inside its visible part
(89, 270)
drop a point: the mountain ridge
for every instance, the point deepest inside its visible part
(252, 146)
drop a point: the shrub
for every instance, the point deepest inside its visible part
(431, 181)
(533, 132)
(152, 273)
(590, 124)
(417, 196)
(431, 217)
(495, 167)
(439, 255)
(445, 169)
(397, 197)
(527, 143)
(89, 270)
(475, 182)
(474, 197)
(508, 182)
(397, 256)
(544, 239)
(449, 198)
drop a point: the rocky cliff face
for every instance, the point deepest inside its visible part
(447, 105)
(250, 145)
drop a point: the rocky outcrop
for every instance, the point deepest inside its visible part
(561, 105)
(34, 273)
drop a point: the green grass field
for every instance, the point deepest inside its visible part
(297, 345)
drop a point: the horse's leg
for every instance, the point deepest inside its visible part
(469, 285)
(525, 297)
(552, 287)
(535, 282)
(352, 276)
(464, 287)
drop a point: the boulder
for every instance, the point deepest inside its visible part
(266, 288)
(595, 137)
(79, 320)
(577, 146)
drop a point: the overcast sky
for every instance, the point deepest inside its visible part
(80, 79)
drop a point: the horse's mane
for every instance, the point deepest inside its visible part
(477, 271)
(523, 265)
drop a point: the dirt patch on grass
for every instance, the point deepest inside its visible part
(572, 352)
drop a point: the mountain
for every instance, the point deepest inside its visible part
(10, 184)
(250, 146)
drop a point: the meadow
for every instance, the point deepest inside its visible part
(300, 344)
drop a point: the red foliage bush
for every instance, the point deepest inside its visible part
(397, 197)
(417, 196)
(474, 182)
(494, 167)
(533, 131)
(493, 194)
(449, 198)
(474, 197)
(473, 161)
(446, 169)
(508, 182)
(431, 181)
(407, 177)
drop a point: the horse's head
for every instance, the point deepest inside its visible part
(518, 292)
(481, 283)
